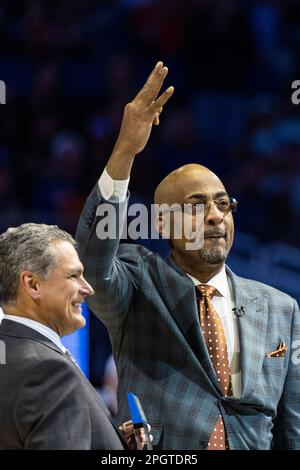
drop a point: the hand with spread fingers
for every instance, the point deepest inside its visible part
(138, 118)
(134, 438)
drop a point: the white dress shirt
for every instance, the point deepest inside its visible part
(40, 328)
(115, 190)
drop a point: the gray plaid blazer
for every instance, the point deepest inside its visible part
(149, 307)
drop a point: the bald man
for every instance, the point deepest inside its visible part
(212, 356)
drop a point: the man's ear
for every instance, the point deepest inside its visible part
(30, 283)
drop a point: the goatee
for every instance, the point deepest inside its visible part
(213, 255)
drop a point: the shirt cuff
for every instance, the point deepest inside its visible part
(112, 190)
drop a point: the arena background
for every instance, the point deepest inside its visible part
(69, 69)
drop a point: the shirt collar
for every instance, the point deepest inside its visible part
(219, 281)
(40, 328)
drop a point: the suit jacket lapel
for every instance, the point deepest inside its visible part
(18, 330)
(252, 329)
(180, 295)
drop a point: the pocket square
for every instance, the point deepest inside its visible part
(279, 352)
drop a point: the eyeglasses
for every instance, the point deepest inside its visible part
(223, 204)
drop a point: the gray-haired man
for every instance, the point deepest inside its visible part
(46, 401)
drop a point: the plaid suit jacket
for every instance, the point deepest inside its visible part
(148, 305)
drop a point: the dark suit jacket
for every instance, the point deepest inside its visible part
(149, 307)
(45, 400)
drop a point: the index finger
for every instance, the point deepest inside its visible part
(153, 84)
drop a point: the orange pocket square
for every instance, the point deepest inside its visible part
(280, 352)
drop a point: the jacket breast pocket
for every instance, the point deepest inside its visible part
(271, 362)
(272, 378)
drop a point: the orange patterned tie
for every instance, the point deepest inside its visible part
(214, 336)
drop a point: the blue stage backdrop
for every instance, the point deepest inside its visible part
(78, 343)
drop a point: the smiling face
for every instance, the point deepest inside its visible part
(194, 184)
(62, 294)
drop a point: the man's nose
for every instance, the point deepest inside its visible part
(86, 289)
(213, 215)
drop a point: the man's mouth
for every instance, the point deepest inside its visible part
(77, 305)
(219, 235)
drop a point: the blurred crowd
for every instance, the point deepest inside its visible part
(70, 67)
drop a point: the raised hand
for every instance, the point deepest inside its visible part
(142, 112)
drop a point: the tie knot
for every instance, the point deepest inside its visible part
(206, 291)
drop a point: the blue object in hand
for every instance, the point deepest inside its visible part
(138, 417)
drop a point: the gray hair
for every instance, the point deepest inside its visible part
(27, 248)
